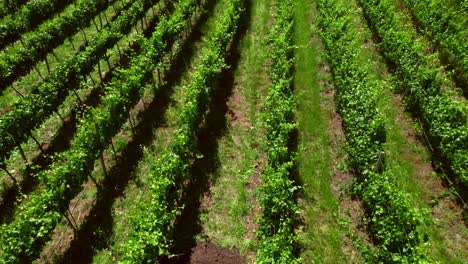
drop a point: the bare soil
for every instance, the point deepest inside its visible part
(208, 253)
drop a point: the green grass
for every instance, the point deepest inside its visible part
(231, 219)
(406, 161)
(322, 237)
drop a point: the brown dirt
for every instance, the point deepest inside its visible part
(207, 253)
(64, 234)
(207, 201)
(335, 131)
(238, 116)
(256, 180)
(235, 114)
(341, 181)
(449, 218)
(255, 210)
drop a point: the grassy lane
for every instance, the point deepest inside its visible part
(229, 208)
(322, 238)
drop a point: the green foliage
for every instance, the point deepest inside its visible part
(20, 59)
(34, 220)
(10, 6)
(445, 119)
(396, 226)
(29, 113)
(151, 227)
(447, 23)
(276, 232)
(27, 18)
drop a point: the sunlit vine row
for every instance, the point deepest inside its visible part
(21, 58)
(397, 227)
(150, 234)
(27, 18)
(37, 217)
(444, 119)
(276, 231)
(17, 124)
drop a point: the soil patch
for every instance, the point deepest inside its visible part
(207, 253)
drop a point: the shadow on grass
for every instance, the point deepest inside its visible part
(62, 138)
(94, 233)
(187, 225)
